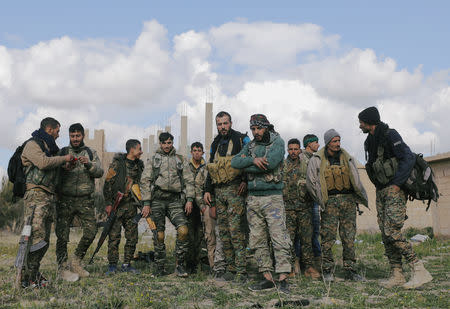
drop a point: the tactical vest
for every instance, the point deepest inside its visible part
(123, 183)
(337, 177)
(44, 178)
(220, 170)
(156, 167)
(384, 169)
(275, 175)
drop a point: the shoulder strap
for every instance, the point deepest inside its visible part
(179, 160)
(156, 166)
(89, 151)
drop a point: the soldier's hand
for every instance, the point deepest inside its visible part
(203, 209)
(68, 158)
(108, 209)
(242, 188)
(146, 210)
(261, 163)
(207, 198)
(83, 159)
(188, 208)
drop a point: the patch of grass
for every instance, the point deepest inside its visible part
(125, 290)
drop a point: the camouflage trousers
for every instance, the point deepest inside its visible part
(340, 210)
(43, 203)
(169, 204)
(66, 210)
(266, 218)
(232, 226)
(391, 214)
(125, 218)
(299, 223)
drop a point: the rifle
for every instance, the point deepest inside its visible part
(24, 249)
(108, 225)
(136, 193)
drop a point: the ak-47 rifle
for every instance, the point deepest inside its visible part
(108, 225)
(24, 249)
(136, 193)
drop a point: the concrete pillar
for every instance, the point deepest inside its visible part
(145, 154)
(151, 145)
(208, 128)
(168, 129)
(183, 139)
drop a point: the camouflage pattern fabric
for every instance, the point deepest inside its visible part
(66, 210)
(219, 257)
(340, 209)
(230, 209)
(266, 218)
(391, 214)
(169, 204)
(40, 228)
(299, 222)
(125, 215)
(291, 176)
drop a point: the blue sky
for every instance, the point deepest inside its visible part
(392, 54)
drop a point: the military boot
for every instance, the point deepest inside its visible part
(396, 279)
(312, 273)
(76, 267)
(419, 276)
(66, 274)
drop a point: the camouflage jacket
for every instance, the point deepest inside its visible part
(122, 174)
(197, 175)
(79, 179)
(291, 176)
(40, 170)
(168, 178)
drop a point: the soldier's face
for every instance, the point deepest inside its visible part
(294, 151)
(335, 144)
(314, 146)
(365, 128)
(258, 132)
(76, 138)
(136, 152)
(197, 153)
(53, 132)
(167, 145)
(223, 125)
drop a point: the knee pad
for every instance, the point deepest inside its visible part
(182, 233)
(160, 236)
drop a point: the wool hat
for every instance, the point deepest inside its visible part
(370, 115)
(328, 136)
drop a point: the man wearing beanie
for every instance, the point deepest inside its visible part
(389, 164)
(262, 160)
(333, 182)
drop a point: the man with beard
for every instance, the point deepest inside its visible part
(333, 182)
(167, 190)
(299, 205)
(40, 161)
(389, 164)
(228, 186)
(76, 198)
(262, 160)
(124, 171)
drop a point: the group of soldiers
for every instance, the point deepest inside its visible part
(248, 196)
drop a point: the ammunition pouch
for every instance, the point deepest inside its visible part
(221, 171)
(384, 169)
(337, 177)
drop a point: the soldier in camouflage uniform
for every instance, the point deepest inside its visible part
(389, 165)
(262, 160)
(228, 187)
(298, 205)
(124, 171)
(76, 189)
(333, 182)
(164, 187)
(41, 162)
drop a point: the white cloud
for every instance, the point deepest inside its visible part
(295, 74)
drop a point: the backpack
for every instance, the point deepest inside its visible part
(65, 151)
(16, 171)
(420, 184)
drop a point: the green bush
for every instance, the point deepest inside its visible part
(10, 213)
